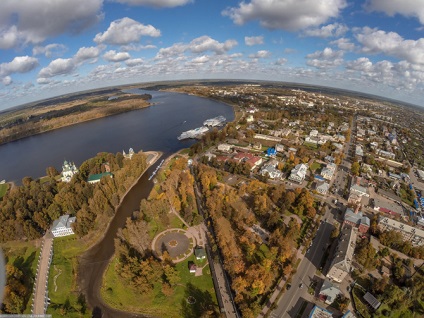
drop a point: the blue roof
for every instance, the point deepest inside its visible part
(317, 176)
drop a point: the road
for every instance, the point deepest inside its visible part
(40, 296)
(291, 302)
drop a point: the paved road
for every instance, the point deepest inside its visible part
(42, 277)
(291, 302)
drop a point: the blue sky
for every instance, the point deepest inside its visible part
(53, 47)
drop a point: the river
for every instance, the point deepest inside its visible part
(153, 128)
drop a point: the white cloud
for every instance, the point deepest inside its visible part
(290, 51)
(286, 14)
(134, 62)
(20, 64)
(343, 44)
(281, 61)
(43, 81)
(408, 8)
(113, 56)
(57, 67)
(391, 43)
(7, 80)
(199, 45)
(156, 3)
(325, 59)
(125, 31)
(50, 50)
(326, 31)
(206, 43)
(253, 40)
(86, 53)
(260, 54)
(29, 21)
(137, 47)
(201, 59)
(360, 64)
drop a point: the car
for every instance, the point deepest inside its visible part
(288, 286)
(301, 285)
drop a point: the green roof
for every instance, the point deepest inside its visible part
(94, 177)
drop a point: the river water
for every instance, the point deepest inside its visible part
(153, 128)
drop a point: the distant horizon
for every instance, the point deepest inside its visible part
(370, 46)
(235, 80)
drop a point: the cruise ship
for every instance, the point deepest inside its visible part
(194, 133)
(212, 122)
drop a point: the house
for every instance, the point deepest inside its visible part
(313, 133)
(271, 171)
(386, 206)
(356, 219)
(94, 178)
(359, 152)
(279, 147)
(312, 140)
(63, 226)
(192, 267)
(342, 262)
(372, 301)
(386, 154)
(359, 190)
(323, 188)
(318, 312)
(328, 171)
(329, 159)
(409, 233)
(68, 171)
(199, 252)
(257, 146)
(224, 147)
(348, 314)
(298, 173)
(249, 119)
(129, 155)
(271, 152)
(420, 174)
(329, 292)
(293, 150)
(254, 162)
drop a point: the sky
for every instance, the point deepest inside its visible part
(53, 47)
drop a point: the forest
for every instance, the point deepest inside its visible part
(255, 262)
(27, 211)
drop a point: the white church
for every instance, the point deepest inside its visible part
(68, 171)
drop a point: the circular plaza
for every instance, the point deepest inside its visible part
(177, 242)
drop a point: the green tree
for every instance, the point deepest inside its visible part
(355, 168)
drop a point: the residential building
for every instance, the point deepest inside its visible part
(312, 140)
(348, 314)
(386, 154)
(329, 159)
(323, 188)
(318, 312)
(279, 148)
(68, 171)
(271, 152)
(420, 174)
(329, 171)
(357, 219)
(386, 206)
(409, 233)
(267, 137)
(360, 190)
(63, 226)
(313, 133)
(298, 173)
(342, 262)
(94, 178)
(224, 147)
(372, 301)
(329, 292)
(271, 171)
(192, 267)
(359, 152)
(199, 252)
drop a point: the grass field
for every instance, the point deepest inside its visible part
(23, 255)
(3, 189)
(117, 293)
(310, 145)
(156, 226)
(63, 295)
(315, 166)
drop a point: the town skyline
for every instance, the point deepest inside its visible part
(375, 47)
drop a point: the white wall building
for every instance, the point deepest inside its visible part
(62, 226)
(298, 173)
(68, 171)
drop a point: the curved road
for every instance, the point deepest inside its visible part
(93, 263)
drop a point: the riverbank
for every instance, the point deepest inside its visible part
(93, 263)
(29, 122)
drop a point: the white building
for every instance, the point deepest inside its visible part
(128, 155)
(279, 147)
(270, 171)
(409, 233)
(323, 188)
(224, 147)
(298, 173)
(313, 133)
(328, 171)
(420, 174)
(68, 171)
(62, 226)
(342, 262)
